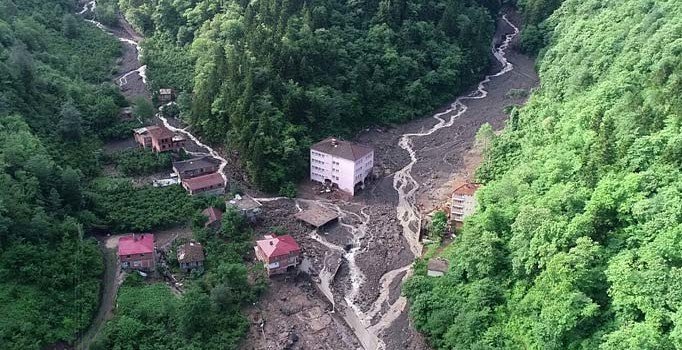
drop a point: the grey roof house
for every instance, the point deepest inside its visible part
(195, 167)
(190, 256)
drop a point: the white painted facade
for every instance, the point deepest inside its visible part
(345, 173)
(462, 206)
(434, 273)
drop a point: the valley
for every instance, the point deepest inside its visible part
(420, 161)
(376, 174)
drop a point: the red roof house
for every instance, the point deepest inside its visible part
(214, 216)
(158, 138)
(278, 254)
(205, 184)
(136, 251)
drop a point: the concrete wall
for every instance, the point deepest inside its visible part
(191, 265)
(461, 207)
(210, 191)
(342, 172)
(363, 168)
(320, 166)
(434, 273)
(137, 261)
(345, 171)
(279, 264)
(143, 140)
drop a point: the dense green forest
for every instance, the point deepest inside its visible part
(52, 107)
(577, 241)
(270, 77)
(207, 315)
(57, 108)
(535, 33)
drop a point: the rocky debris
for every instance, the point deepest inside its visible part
(395, 288)
(441, 158)
(408, 339)
(316, 318)
(291, 339)
(291, 316)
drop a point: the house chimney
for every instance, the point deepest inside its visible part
(335, 142)
(272, 243)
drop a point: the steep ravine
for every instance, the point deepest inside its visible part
(371, 322)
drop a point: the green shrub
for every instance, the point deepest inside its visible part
(123, 208)
(139, 162)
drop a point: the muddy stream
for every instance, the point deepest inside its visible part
(369, 325)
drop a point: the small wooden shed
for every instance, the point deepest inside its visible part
(317, 216)
(166, 95)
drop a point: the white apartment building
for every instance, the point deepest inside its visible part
(463, 202)
(341, 163)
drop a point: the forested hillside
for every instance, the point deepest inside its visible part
(51, 111)
(270, 77)
(577, 242)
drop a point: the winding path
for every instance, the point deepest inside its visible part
(110, 281)
(90, 7)
(406, 186)
(382, 311)
(403, 182)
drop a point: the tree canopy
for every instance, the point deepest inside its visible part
(208, 315)
(576, 241)
(270, 77)
(52, 108)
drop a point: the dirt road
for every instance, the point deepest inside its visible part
(111, 280)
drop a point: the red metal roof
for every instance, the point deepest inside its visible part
(138, 243)
(214, 214)
(467, 189)
(204, 181)
(278, 246)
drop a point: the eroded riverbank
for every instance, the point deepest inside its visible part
(377, 239)
(420, 160)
